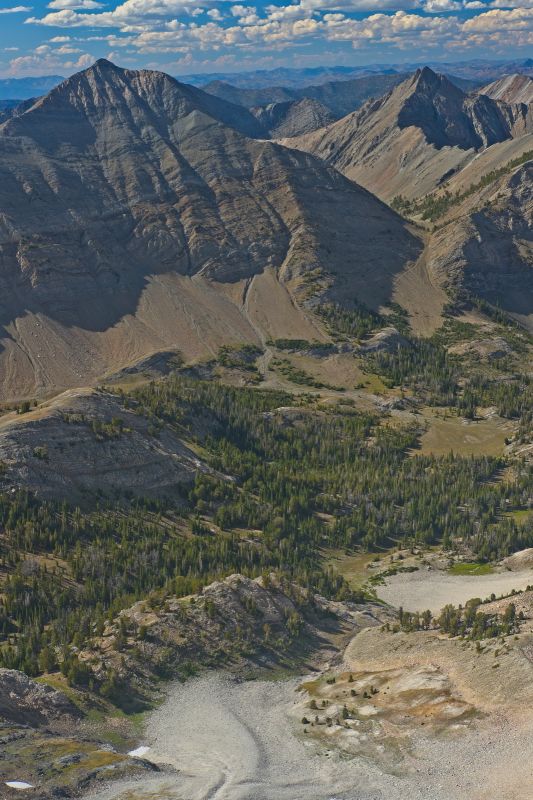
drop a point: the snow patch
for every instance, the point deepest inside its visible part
(140, 752)
(19, 785)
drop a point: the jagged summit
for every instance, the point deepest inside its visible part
(104, 63)
(407, 141)
(425, 79)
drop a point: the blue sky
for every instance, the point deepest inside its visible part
(180, 36)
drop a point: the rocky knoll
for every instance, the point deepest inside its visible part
(27, 702)
(237, 621)
(85, 443)
(134, 215)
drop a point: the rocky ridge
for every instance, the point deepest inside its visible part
(511, 89)
(86, 444)
(416, 136)
(136, 215)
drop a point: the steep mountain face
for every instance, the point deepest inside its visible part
(136, 217)
(416, 136)
(485, 245)
(510, 89)
(293, 118)
(449, 118)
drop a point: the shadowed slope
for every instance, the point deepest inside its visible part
(420, 133)
(128, 201)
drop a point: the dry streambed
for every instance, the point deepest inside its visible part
(217, 739)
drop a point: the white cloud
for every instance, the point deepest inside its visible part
(438, 6)
(128, 15)
(15, 10)
(512, 4)
(154, 27)
(47, 60)
(500, 20)
(58, 5)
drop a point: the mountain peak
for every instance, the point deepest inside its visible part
(425, 74)
(426, 81)
(104, 64)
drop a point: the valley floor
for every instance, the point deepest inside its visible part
(217, 738)
(235, 741)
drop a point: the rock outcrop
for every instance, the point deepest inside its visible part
(24, 701)
(510, 89)
(85, 444)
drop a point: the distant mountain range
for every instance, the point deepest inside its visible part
(23, 88)
(477, 71)
(480, 70)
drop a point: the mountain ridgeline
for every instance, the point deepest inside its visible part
(138, 214)
(416, 135)
(141, 215)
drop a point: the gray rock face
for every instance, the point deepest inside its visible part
(487, 245)
(293, 118)
(511, 89)
(85, 444)
(128, 200)
(25, 701)
(450, 118)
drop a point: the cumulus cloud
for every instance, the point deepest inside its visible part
(57, 5)
(130, 14)
(438, 6)
(154, 27)
(15, 10)
(47, 60)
